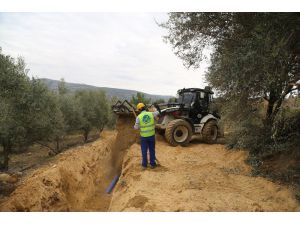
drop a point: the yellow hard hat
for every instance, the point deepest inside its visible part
(140, 106)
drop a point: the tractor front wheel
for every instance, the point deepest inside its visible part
(178, 132)
(160, 132)
(210, 132)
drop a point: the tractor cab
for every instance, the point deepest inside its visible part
(195, 100)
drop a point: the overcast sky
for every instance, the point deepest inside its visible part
(120, 50)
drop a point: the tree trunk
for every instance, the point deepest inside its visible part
(269, 114)
(277, 107)
(274, 105)
(280, 101)
(6, 152)
(44, 145)
(85, 135)
(57, 149)
(101, 128)
(269, 110)
(271, 101)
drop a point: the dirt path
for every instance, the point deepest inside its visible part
(197, 178)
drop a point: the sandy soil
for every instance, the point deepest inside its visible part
(197, 178)
(74, 181)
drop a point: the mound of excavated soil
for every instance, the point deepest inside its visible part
(126, 136)
(73, 182)
(200, 177)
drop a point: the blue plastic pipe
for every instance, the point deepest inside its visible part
(112, 184)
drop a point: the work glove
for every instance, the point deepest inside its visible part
(157, 107)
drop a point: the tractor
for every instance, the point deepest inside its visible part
(189, 115)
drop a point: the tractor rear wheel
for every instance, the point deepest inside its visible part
(178, 132)
(210, 132)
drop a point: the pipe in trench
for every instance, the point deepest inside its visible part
(112, 184)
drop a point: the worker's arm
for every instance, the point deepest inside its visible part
(137, 124)
(155, 114)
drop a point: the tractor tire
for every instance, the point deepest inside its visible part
(178, 132)
(160, 132)
(210, 132)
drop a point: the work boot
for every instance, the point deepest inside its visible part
(144, 167)
(153, 166)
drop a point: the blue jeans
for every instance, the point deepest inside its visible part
(148, 142)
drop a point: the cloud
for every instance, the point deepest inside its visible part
(121, 50)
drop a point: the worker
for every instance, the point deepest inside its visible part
(146, 123)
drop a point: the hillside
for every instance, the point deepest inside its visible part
(110, 92)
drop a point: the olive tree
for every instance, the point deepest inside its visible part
(94, 111)
(254, 54)
(139, 97)
(28, 111)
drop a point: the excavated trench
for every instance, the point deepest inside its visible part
(77, 179)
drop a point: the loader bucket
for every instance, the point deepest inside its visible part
(123, 108)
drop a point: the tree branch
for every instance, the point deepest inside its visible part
(288, 89)
(44, 145)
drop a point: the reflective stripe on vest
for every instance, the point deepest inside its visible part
(147, 124)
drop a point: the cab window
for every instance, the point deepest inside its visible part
(201, 95)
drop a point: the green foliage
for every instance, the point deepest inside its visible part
(172, 100)
(112, 117)
(94, 109)
(140, 97)
(71, 111)
(14, 93)
(62, 89)
(30, 113)
(44, 118)
(286, 126)
(28, 110)
(246, 129)
(255, 54)
(158, 101)
(261, 140)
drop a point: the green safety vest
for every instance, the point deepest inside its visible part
(147, 124)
